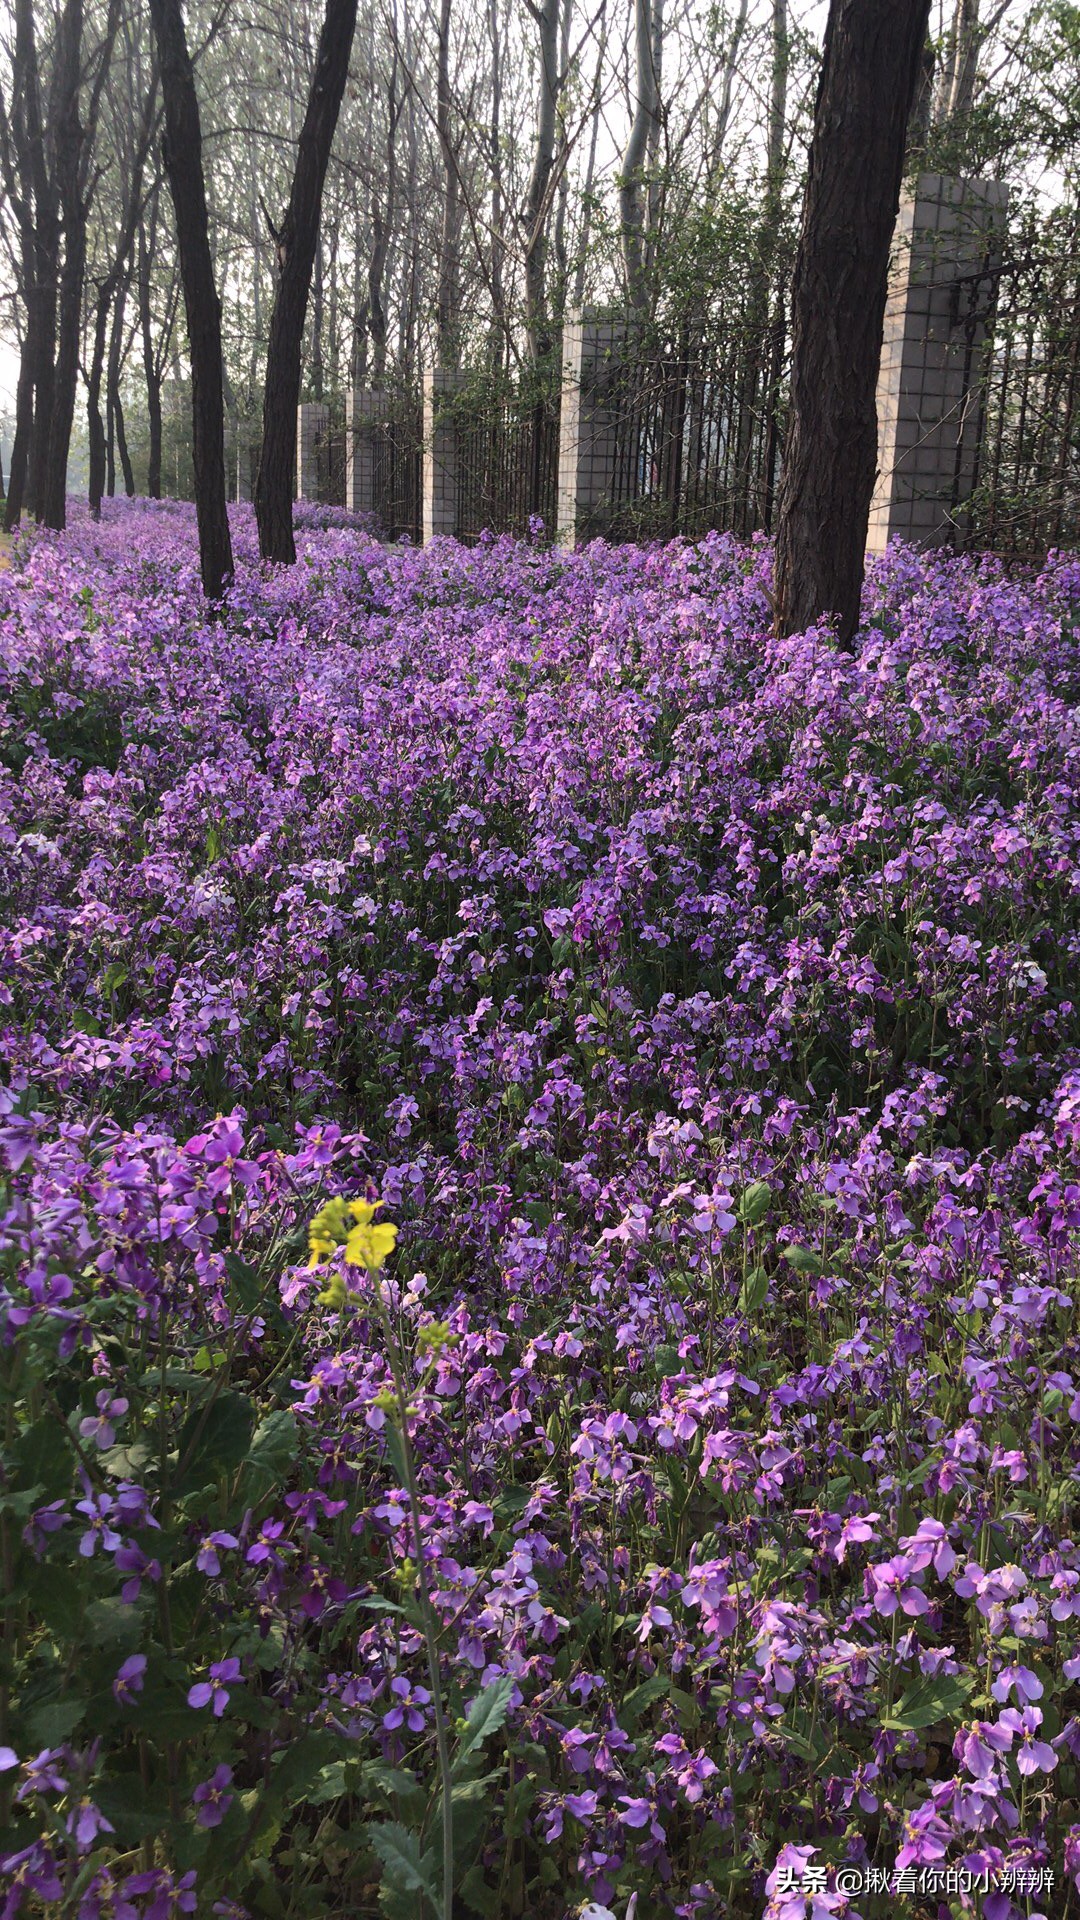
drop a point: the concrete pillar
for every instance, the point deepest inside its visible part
(928, 399)
(312, 427)
(368, 409)
(588, 419)
(440, 474)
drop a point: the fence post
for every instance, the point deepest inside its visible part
(368, 410)
(440, 476)
(587, 422)
(929, 395)
(312, 427)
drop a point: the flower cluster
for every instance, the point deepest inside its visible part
(539, 1123)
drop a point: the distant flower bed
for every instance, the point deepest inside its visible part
(541, 1142)
(313, 517)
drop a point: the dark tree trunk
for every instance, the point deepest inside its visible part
(150, 371)
(95, 425)
(20, 450)
(873, 50)
(41, 329)
(69, 137)
(113, 405)
(187, 185)
(296, 244)
(120, 425)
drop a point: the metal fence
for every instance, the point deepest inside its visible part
(696, 422)
(397, 462)
(507, 461)
(1026, 493)
(694, 414)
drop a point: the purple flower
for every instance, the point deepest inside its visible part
(98, 1509)
(211, 1798)
(129, 1679)
(407, 1710)
(215, 1689)
(1034, 1755)
(1019, 1680)
(167, 1896)
(85, 1822)
(99, 1427)
(892, 1585)
(207, 1559)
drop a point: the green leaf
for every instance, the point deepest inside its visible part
(49, 1724)
(274, 1447)
(214, 1439)
(755, 1203)
(941, 1697)
(754, 1290)
(803, 1259)
(640, 1698)
(485, 1717)
(43, 1458)
(395, 1447)
(406, 1869)
(479, 1896)
(248, 1286)
(110, 1623)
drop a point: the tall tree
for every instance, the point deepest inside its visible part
(632, 196)
(537, 205)
(296, 240)
(448, 290)
(873, 50)
(187, 185)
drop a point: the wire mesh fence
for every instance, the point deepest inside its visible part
(1026, 496)
(507, 467)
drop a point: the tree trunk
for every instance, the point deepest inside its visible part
(20, 451)
(537, 210)
(578, 294)
(187, 186)
(296, 244)
(871, 64)
(448, 292)
(150, 371)
(632, 182)
(96, 428)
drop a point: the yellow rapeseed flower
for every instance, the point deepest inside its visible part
(368, 1246)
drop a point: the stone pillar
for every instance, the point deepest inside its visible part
(312, 427)
(440, 477)
(368, 409)
(587, 424)
(932, 362)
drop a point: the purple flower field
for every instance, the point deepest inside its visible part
(691, 1486)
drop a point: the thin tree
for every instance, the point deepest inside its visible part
(546, 17)
(632, 195)
(182, 155)
(873, 50)
(296, 240)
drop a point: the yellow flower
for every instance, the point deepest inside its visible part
(327, 1230)
(368, 1246)
(333, 1294)
(349, 1223)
